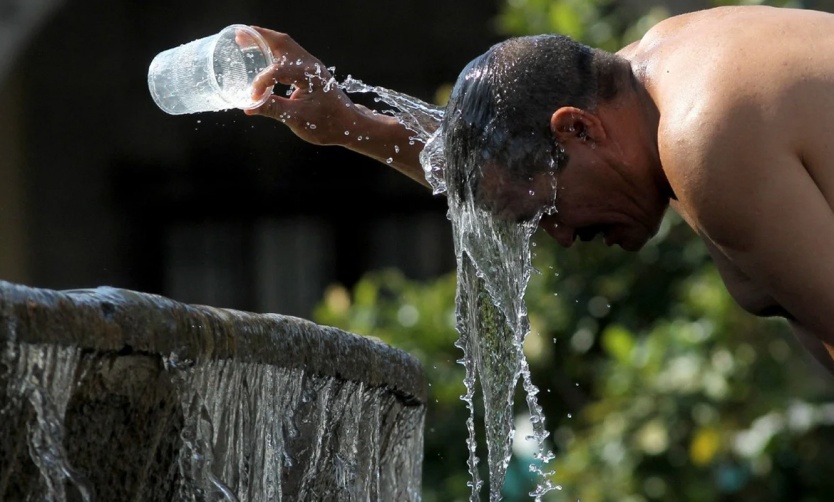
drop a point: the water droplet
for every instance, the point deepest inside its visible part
(347, 133)
(389, 160)
(312, 126)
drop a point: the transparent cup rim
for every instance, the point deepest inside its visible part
(262, 45)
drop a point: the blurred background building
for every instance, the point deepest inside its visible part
(656, 386)
(100, 187)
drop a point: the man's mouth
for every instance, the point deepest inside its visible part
(586, 234)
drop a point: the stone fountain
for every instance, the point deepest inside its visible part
(110, 394)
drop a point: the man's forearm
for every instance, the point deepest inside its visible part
(383, 138)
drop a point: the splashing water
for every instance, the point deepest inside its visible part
(46, 387)
(244, 407)
(494, 267)
(418, 116)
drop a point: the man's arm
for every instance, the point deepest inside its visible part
(320, 112)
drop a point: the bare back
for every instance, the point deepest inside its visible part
(779, 60)
(746, 139)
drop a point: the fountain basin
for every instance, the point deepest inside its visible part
(111, 394)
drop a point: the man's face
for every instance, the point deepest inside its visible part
(512, 199)
(590, 196)
(596, 197)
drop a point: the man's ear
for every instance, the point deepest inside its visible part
(570, 124)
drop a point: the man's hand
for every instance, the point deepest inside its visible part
(317, 110)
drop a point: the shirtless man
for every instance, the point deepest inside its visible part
(726, 115)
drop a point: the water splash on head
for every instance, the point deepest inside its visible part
(493, 254)
(494, 264)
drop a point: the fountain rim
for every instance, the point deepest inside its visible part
(144, 323)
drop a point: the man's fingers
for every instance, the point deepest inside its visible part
(267, 79)
(277, 40)
(290, 73)
(278, 108)
(284, 48)
(273, 107)
(244, 38)
(294, 64)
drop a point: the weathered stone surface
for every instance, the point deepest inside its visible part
(128, 396)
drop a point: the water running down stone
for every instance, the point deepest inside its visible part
(114, 395)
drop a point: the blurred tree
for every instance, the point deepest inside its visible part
(655, 384)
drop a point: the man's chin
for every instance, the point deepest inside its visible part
(632, 247)
(627, 241)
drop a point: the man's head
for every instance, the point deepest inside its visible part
(524, 111)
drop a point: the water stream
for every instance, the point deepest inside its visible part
(494, 267)
(113, 395)
(217, 416)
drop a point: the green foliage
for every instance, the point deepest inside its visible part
(605, 24)
(655, 385)
(418, 318)
(687, 404)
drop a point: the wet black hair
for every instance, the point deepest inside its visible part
(500, 108)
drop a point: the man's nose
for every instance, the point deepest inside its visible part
(561, 233)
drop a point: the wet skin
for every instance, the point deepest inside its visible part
(738, 103)
(732, 115)
(610, 187)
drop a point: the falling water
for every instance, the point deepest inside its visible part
(114, 395)
(48, 374)
(494, 267)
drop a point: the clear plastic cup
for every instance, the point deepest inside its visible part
(210, 74)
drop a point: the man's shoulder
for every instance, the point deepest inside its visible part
(714, 155)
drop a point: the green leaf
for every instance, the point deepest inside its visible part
(619, 343)
(565, 20)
